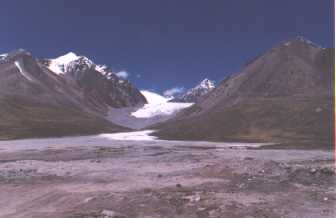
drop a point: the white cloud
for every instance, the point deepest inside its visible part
(138, 76)
(122, 74)
(173, 91)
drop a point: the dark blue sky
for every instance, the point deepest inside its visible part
(168, 42)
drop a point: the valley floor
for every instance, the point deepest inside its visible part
(98, 177)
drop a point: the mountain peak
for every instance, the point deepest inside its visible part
(207, 84)
(19, 51)
(14, 54)
(193, 94)
(61, 64)
(67, 58)
(301, 39)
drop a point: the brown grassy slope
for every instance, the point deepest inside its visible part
(21, 118)
(258, 120)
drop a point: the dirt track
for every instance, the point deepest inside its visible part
(69, 178)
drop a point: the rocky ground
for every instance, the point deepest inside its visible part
(153, 179)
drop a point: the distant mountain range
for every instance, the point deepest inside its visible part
(71, 95)
(283, 95)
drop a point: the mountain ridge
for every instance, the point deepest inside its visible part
(283, 95)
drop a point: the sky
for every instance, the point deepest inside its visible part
(163, 44)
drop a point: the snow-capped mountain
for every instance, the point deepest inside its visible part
(60, 65)
(100, 85)
(62, 96)
(193, 94)
(71, 62)
(36, 102)
(71, 82)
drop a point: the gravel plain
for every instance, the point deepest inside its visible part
(93, 176)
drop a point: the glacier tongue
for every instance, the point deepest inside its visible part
(158, 106)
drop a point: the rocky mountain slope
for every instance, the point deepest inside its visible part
(100, 87)
(38, 102)
(283, 95)
(194, 94)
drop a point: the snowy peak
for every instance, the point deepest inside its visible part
(206, 84)
(80, 64)
(100, 86)
(67, 58)
(192, 95)
(68, 62)
(71, 62)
